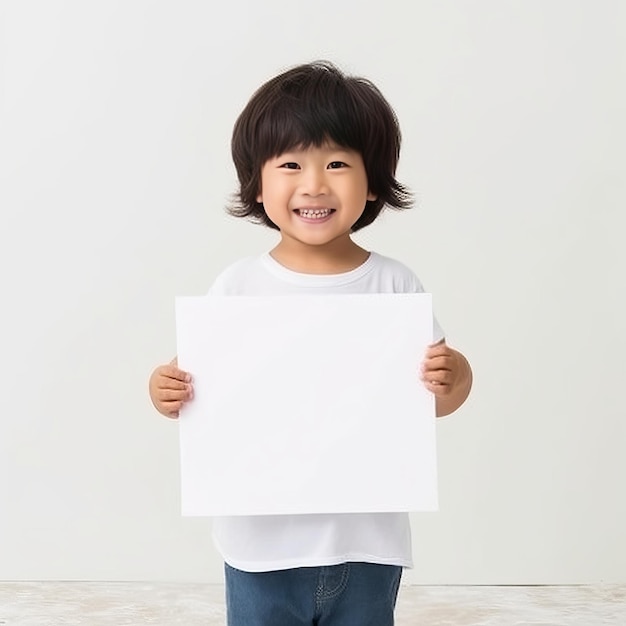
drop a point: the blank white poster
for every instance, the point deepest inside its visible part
(306, 404)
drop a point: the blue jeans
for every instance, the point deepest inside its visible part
(350, 594)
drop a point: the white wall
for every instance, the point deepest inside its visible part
(116, 127)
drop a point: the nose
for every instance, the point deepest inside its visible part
(314, 182)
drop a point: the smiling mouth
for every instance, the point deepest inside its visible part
(314, 214)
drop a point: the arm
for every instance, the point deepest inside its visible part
(448, 374)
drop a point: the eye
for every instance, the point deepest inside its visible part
(335, 165)
(290, 165)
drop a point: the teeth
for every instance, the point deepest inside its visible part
(314, 213)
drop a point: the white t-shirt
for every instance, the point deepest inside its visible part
(276, 542)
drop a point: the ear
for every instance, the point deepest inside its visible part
(259, 198)
(371, 196)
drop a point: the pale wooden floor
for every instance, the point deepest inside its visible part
(163, 604)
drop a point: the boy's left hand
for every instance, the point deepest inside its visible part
(442, 369)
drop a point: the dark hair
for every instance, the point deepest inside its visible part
(307, 106)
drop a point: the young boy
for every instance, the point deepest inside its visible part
(316, 153)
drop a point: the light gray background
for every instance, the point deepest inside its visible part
(115, 138)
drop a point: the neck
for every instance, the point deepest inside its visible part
(327, 259)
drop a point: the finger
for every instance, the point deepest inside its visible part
(438, 377)
(437, 388)
(438, 363)
(173, 372)
(172, 409)
(438, 345)
(438, 349)
(438, 373)
(165, 382)
(441, 376)
(172, 395)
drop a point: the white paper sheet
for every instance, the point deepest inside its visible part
(306, 404)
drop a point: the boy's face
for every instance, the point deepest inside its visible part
(315, 195)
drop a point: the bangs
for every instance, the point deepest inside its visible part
(308, 115)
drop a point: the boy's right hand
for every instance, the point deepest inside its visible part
(170, 388)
